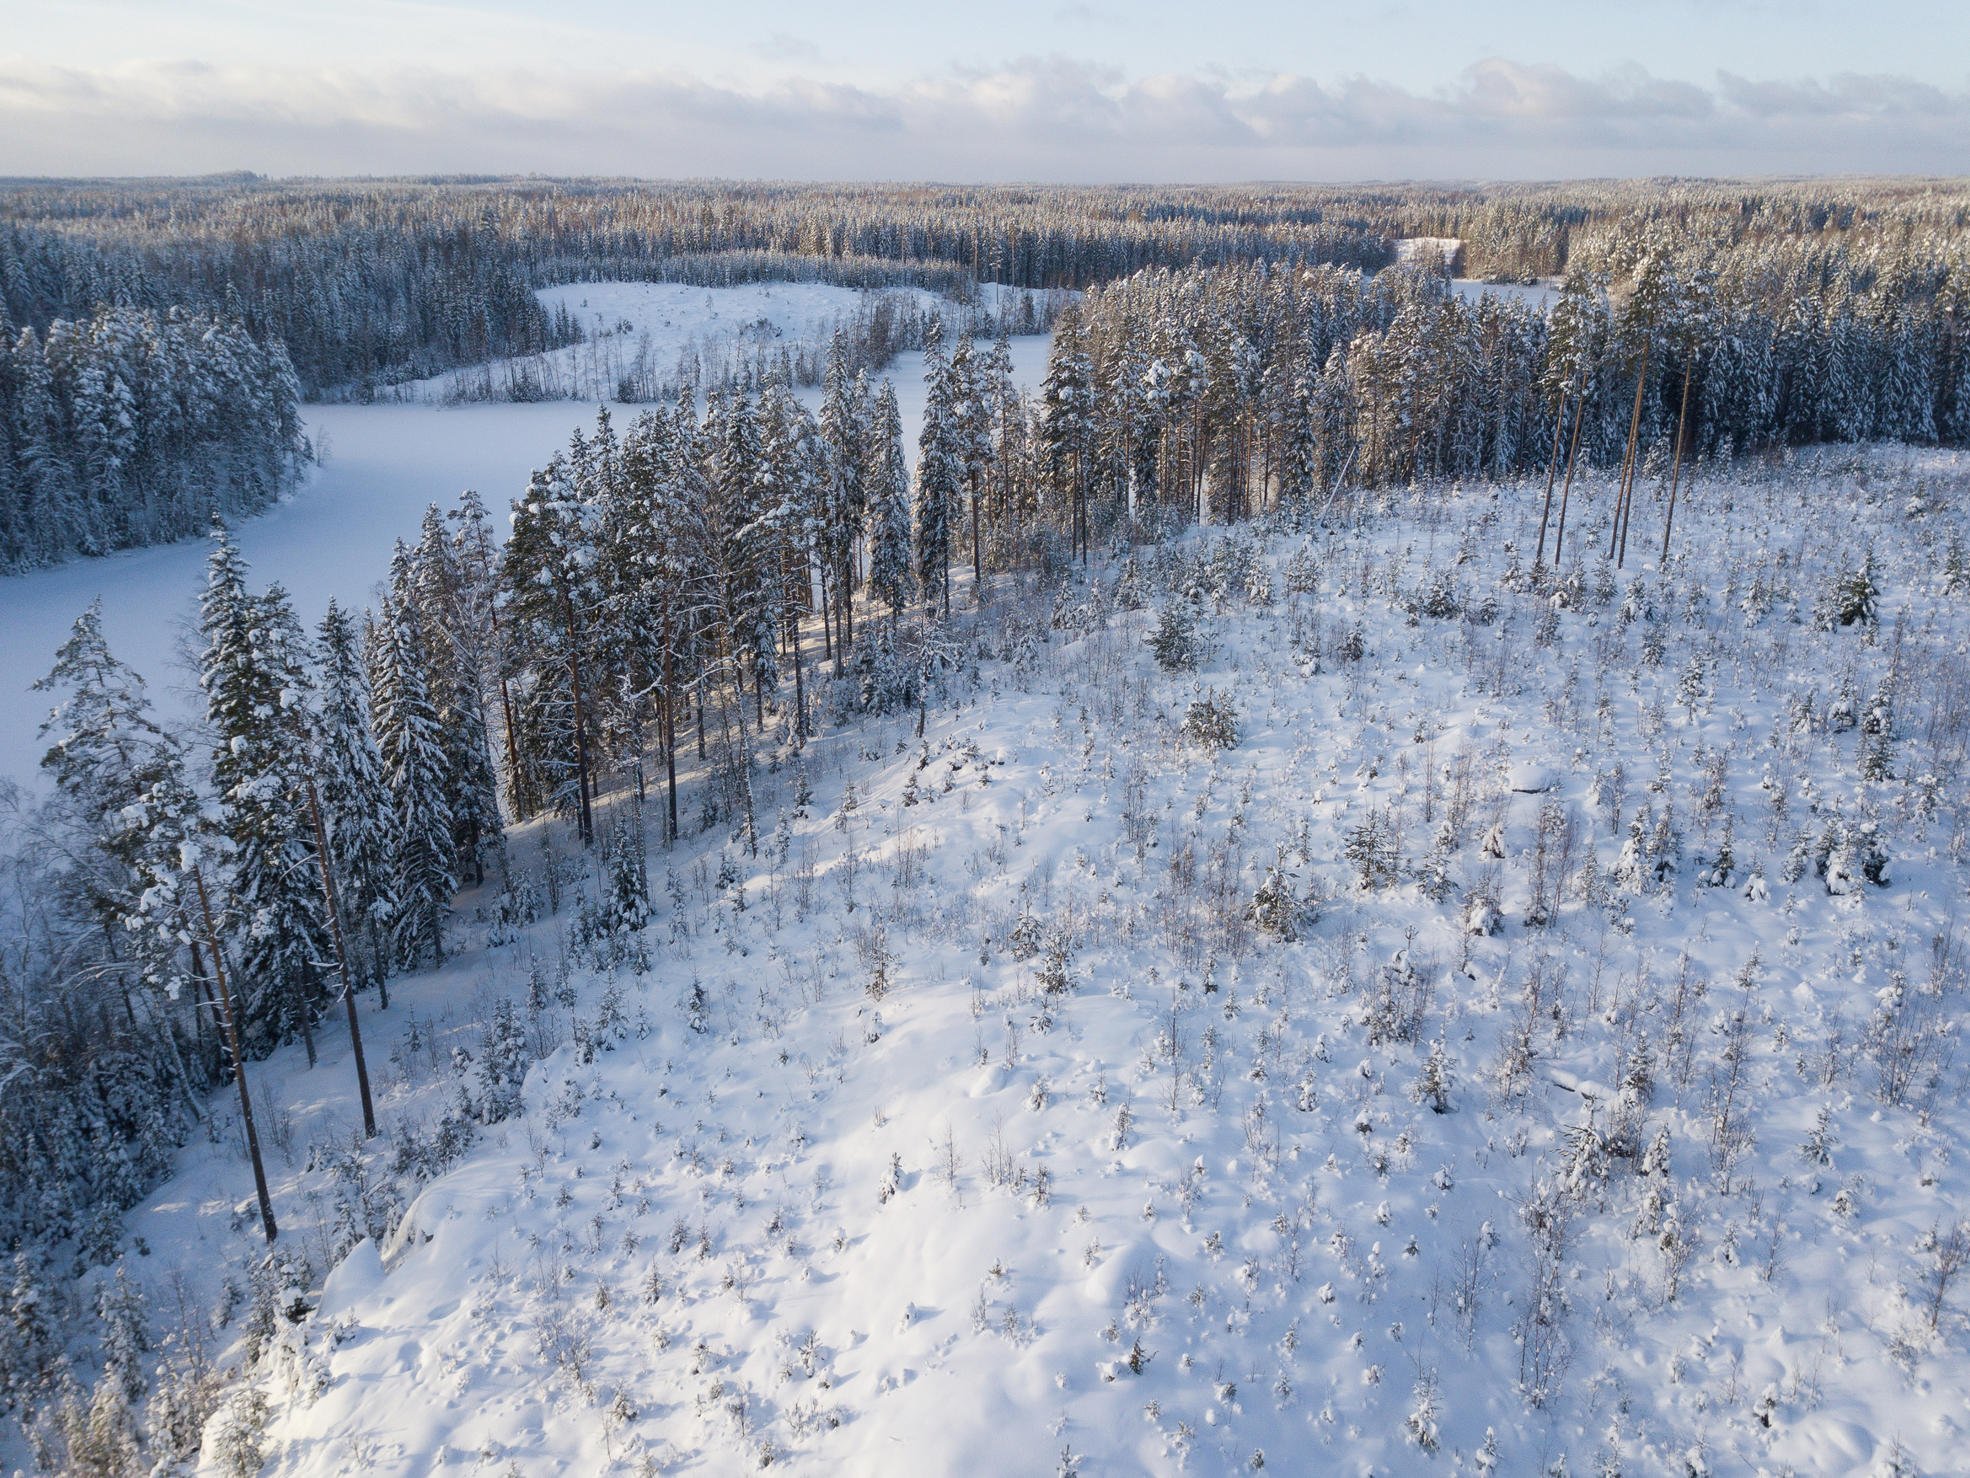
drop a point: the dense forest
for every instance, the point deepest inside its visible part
(158, 332)
(132, 427)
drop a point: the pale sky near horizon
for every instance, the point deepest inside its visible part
(1019, 89)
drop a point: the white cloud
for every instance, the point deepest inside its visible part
(1046, 117)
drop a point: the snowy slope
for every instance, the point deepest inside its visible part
(384, 465)
(883, 1200)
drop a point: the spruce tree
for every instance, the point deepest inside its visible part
(891, 580)
(451, 614)
(940, 477)
(409, 741)
(253, 676)
(355, 802)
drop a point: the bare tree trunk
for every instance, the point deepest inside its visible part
(977, 545)
(1618, 542)
(1676, 465)
(1552, 474)
(799, 677)
(669, 725)
(1572, 455)
(341, 957)
(231, 1023)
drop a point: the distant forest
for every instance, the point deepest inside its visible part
(161, 333)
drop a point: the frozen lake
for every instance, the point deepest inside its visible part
(384, 464)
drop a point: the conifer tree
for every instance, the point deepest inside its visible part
(890, 576)
(253, 676)
(356, 810)
(409, 741)
(550, 594)
(452, 616)
(940, 477)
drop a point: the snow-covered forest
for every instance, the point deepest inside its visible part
(131, 428)
(1363, 874)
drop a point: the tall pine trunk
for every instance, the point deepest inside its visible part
(341, 957)
(1676, 465)
(231, 1025)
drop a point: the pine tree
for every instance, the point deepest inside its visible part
(355, 802)
(253, 675)
(971, 447)
(846, 475)
(890, 577)
(408, 739)
(940, 477)
(450, 613)
(1066, 424)
(550, 596)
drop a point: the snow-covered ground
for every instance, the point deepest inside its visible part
(1435, 250)
(384, 465)
(1540, 295)
(636, 335)
(639, 331)
(979, 1123)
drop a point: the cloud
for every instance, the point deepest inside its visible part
(784, 46)
(1034, 117)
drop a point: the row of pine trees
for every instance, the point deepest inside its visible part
(1220, 392)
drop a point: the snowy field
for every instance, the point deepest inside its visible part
(384, 465)
(1431, 250)
(1499, 1055)
(641, 330)
(639, 333)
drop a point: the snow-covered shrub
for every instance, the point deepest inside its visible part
(1652, 852)
(1435, 597)
(1211, 722)
(1372, 846)
(1850, 599)
(1275, 911)
(1434, 1082)
(502, 1065)
(1352, 645)
(1174, 641)
(1398, 999)
(236, 1446)
(1850, 853)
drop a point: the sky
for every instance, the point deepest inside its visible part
(1082, 91)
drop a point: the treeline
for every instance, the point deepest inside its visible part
(1221, 392)
(131, 427)
(353, 302)
(374, 282)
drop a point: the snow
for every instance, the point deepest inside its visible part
(1540, 295)
(384, 464)
(645, 328)
(690, 1249)
(1433, 251)
(639, 332)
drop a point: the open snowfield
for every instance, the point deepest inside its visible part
(641, 330)
(1414, 250)
(384, 465)
(639, 333)
(981, 1123)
